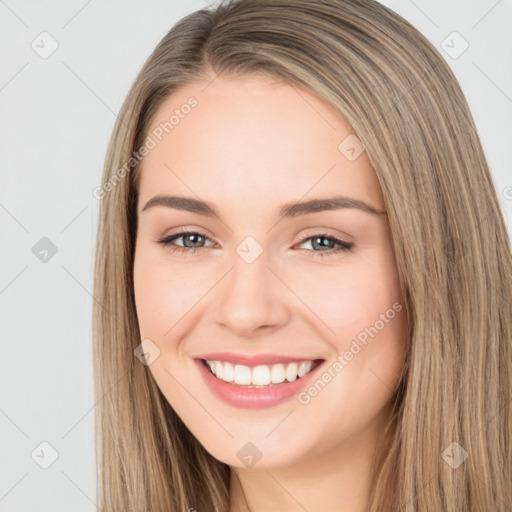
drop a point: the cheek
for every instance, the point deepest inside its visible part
(361, 304)
(350, 298)
(160, 294)
(362, 307)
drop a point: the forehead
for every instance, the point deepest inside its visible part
(245, 140)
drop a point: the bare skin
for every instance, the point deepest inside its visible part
(249, 146)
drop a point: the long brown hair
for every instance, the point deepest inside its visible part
(450, 241)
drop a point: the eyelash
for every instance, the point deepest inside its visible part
(342, 245)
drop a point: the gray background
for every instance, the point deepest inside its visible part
(58, 112)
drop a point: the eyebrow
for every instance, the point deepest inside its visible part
(292, 209)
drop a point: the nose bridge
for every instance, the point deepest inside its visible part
(250, 296)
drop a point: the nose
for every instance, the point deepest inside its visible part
(251, 299)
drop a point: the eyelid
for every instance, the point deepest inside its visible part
(327, 233)
(342, 246)
(311, 232)
(187, 230)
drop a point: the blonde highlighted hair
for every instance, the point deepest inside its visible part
(451, 245)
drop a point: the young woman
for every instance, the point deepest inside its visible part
(303, 282)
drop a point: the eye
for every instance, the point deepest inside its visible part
(316, 241)
(193, 241)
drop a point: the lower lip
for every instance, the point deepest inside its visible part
(255, 398)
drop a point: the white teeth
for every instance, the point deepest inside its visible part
(219, 369)
(242, 375)
(263, 375)
(291, 371)
(228, 372)
(277, 373)
(304, 368)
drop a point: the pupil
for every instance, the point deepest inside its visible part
(315, 240)
(191, 236)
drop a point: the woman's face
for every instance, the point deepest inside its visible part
(302, 283)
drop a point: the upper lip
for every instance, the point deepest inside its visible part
(254, 360)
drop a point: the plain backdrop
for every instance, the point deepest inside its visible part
(57, 114)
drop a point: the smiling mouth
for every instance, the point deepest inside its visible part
(261, 376)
